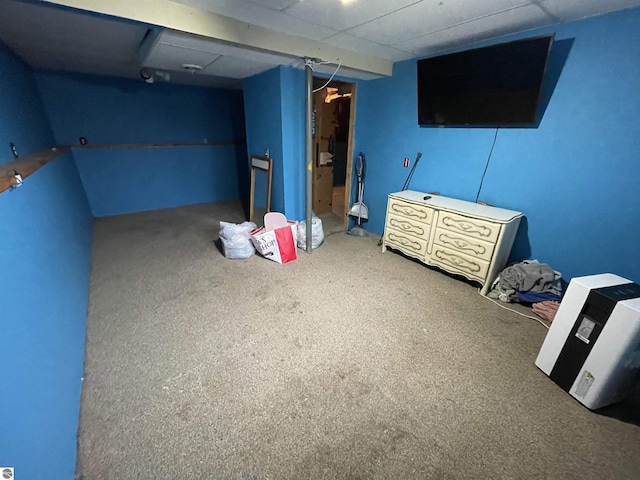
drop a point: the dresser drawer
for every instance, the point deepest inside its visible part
(412, 211)
(472, 227)
(412, 246)
(408, 226)
(455, 262)
(464, 244)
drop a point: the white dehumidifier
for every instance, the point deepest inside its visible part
(592, 349)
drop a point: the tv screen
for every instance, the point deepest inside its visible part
(495, 86)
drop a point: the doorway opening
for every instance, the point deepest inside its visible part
(332, 136)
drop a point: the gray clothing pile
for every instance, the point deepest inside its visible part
(529, 276)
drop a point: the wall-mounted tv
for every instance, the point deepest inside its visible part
(495, 86)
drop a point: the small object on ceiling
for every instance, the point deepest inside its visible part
(146, 75)
(192, 67)
(150, 76)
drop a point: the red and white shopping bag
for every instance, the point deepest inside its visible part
(277, 243)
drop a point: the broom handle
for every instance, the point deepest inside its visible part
(413, 169)
(404, 187)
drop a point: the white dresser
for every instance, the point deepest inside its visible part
(463, 238)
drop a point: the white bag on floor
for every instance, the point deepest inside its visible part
(236, 239)
(317, 234)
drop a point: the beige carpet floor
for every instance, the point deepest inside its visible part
(344, 364)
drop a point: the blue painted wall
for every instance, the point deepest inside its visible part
(293, 141)
(45, 255)
(274, 116)
(263, 120)
(20, 109)
(575, 177)
(121, 111)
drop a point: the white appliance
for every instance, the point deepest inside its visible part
(592, 349)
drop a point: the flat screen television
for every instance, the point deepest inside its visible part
(495, 86)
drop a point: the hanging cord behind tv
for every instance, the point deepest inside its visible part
(487, 165)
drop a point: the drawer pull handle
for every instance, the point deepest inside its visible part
(406, 226)
(404, 241)
(462, 245)
(409, 211)
(457, 261)
(466, 226)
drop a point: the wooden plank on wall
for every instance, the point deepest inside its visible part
(26, 166)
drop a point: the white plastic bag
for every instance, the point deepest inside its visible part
(317, 234)
(236, 239)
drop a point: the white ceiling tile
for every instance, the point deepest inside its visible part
(340, 15)
(276, 4)
(263, 16)
(210, 81)
(349, 42)
(172, 57)
(494, 26)
(236, 68)
(567, 11)
(330, 69)
(250, 55)
(196, 43)
(434, 15)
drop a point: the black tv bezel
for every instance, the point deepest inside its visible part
(534, 120)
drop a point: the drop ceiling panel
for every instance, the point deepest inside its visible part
(494, 26)
(47, 35)
(568, 10)
(334, 14)
(235, 68)
(345, 40)
(329, 69)
(256, 13)
(195, 43)
(434, 15)
(276, 4)
(171, 57)
(251, 55)
(174, 49)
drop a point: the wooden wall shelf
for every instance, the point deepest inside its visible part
(148, 145)
(26, 166)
